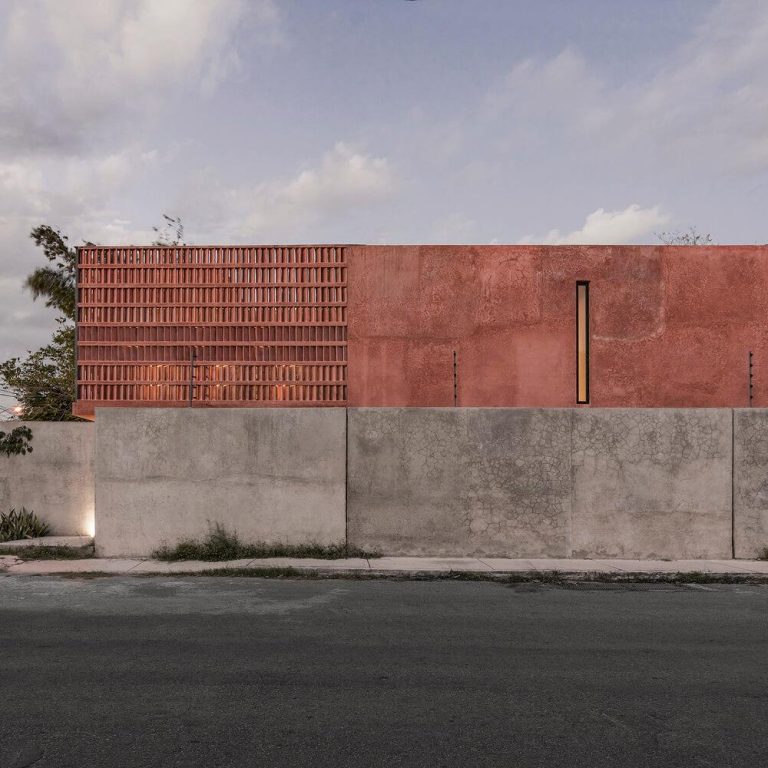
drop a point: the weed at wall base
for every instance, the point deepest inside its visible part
(221, 544)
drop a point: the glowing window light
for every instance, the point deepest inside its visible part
(582, 341)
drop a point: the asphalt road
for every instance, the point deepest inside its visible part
(251, 672)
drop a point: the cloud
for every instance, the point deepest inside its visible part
(69, 66)
(561, 85)
(80, 83)
(704, 108)
(76, 194)
(344, 180)
(603, 227)
(40, 185)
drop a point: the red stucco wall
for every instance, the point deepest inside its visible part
(670, 326)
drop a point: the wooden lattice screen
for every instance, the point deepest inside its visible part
(267, 326)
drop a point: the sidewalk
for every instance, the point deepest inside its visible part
(391, 566)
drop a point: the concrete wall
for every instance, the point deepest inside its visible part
(541, 483)
(56, 480)
(651, 483)
(750, 481)
(459, 481)
(633, 483)
(275, 475)
(671, 326)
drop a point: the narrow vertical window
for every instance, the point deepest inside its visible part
(582, 341)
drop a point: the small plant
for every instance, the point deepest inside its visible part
(763, 554)
(16, 442)
(23, 524)
(221, 544)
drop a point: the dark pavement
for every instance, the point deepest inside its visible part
(250, 672)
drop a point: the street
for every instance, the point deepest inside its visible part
(207, 671)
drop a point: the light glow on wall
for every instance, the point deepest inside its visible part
(89, 521)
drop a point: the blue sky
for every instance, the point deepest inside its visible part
(376, 121)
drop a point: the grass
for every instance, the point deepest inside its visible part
(221, 544)
(47, 552)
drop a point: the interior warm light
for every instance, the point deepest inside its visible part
(582, 342)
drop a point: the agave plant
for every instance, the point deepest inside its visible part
(21, 524)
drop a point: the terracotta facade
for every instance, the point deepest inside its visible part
(421, 326)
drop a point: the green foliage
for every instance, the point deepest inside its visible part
(55, 283)
(44, 381)
(23, 524)
(221, 544)
(16, 442)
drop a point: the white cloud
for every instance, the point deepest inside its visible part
(342, 181)
(73, 193)
(603, 227)
(704, 109)
(70, 65)
(80, 82)
(343, 176)
(559, 86)
(37, 185)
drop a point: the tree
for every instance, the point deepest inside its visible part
(44, 382)
(16, 442)
(689, 237)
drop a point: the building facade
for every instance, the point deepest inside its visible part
(357, 325)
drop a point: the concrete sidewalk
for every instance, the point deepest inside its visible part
(10, 564)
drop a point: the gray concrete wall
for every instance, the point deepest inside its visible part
(56, 480)
(651, 483)
(460, 481)
(633, 483)
(270, 474)
(750, 481)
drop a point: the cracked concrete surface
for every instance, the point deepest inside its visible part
(166, 474)
(519, 482)
(750, 488)
(480, 481)
(651, 483)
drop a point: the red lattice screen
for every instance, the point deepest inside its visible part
(267, 326)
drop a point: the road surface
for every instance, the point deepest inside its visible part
(207, 671)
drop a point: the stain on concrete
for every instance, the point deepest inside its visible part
(459, 481)
(750, 489)
(651, 483)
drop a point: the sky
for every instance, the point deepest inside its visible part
(376, 121)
